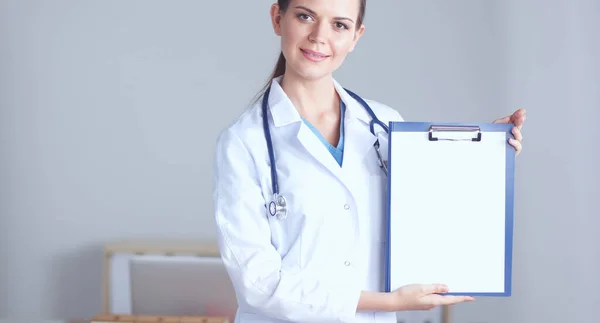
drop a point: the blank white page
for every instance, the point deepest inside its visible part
(448, 212)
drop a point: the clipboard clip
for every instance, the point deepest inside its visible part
(455, 133)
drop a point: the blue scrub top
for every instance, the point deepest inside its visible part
(338, 151)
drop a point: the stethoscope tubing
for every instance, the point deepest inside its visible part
(278, 205)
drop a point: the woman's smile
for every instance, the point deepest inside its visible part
(314, 56)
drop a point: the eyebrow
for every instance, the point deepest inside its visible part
(314, 13)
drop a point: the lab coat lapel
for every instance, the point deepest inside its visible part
(358, 140)
(319, 152)
(284, 114)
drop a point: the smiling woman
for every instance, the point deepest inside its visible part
(316, 255)
(316, 37)
(294, 31)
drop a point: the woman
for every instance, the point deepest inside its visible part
(324, 261)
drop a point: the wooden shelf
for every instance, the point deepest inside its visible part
(111, 318)
(132, 248)
(201, 248)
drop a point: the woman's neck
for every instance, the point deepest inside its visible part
(312, 98)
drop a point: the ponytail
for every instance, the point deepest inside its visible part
(279, 68)
(277, 72)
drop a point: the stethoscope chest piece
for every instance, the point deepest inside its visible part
(278, 206)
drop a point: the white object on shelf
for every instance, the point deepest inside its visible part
(170, 278)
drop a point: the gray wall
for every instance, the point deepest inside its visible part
(110, 109)
(552, 55)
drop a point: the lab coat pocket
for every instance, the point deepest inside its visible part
(294, 235)
(315, 232)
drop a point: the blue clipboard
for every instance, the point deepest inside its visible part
(449, 183)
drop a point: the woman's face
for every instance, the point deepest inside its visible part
(317, 35)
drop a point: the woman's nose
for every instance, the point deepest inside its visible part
(319, 33)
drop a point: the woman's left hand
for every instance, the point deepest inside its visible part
(518, 119)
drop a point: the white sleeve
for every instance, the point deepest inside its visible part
(253, 264)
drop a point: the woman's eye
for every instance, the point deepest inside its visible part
(304, 16)
(341, 25)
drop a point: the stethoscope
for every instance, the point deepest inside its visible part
(278, 205)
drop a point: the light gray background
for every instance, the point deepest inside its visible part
(110, 110)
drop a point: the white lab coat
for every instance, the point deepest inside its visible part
(312, 266)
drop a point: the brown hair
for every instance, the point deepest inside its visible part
(280, 65)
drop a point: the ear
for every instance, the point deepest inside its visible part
(276, 18)
(357, 36)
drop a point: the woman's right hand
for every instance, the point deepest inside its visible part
(423, 297)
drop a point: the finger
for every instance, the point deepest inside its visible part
(517, 145)
(519, 121)
(519, 113)
(517, 133)
(518, 118)
(434, 289)
(451, 300)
